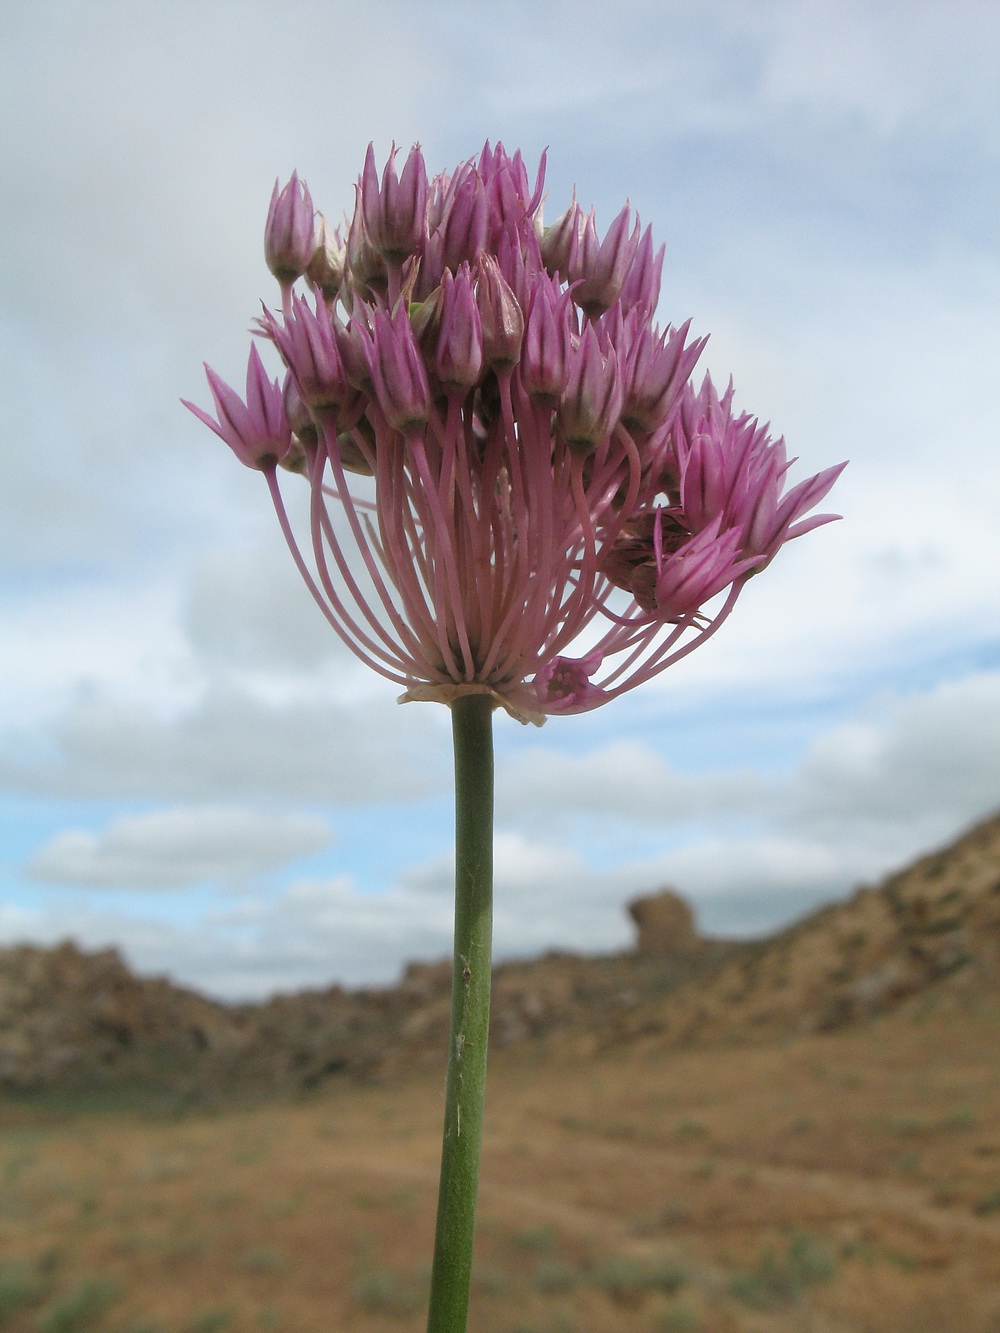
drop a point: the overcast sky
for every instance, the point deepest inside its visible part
(191, 768)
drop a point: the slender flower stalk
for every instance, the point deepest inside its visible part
(518, 499)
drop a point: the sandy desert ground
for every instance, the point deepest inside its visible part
(838, 1183)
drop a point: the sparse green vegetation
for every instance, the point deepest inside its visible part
(553, 1276)
(626, 1279)
(691, 1129)
(388, 1292)
(535, 1238)
(211, 1321)
(778, 1280)
(79, 1309)
(263, 1259)
(20, 1288)
(678, 1319)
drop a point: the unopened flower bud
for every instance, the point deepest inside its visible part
(257, 430)
(326, 268)
(351, 456)
(466, 228)
(592, 401)
(500, 315)
(425, 320)
(458, 358)
(559, 241)
(364, 263)
(354, 345)
(299, 417)
(395, 213)
(308, 345)
(642, 286)
(290, 231)
(546, 350)
(398, 374)
(658, 368)
(603, 268)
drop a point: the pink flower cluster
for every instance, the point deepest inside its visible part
(514, 488)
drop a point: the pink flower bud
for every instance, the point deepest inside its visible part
(394, 215)
(603, 269)
(500, 315)
(559, 241)
(466, 228)
(591, 403)
(365, 264)
(290, 231)
(658, 367)
(642, 286)
(459, 357)
(303, 427)
(547, 343)
(309, 349)
(257, 430)
(398, 373)
(354, 344)
(425, 320)
(326, 268)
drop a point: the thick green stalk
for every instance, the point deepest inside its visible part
(472, 728)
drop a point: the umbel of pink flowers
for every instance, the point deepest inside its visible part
(515, 490)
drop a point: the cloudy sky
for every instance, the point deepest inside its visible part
(191, 768)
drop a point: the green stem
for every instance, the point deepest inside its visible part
(472, 728)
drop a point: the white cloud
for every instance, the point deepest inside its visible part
(230, 746)
(171, 848)
(249, 608)
(624, 780)
(898, 62)
(932, 754)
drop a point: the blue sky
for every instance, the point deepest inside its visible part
(191, 768)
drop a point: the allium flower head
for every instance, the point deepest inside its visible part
(515, 490)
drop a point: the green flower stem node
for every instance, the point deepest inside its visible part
(472, 725)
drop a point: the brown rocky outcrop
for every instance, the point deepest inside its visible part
(72, 1018)
(67, 1016)
(665, 925)
(933, 926)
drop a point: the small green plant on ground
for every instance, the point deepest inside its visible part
(627, 1280)
(77, 1311)
(552, 1276)
(211, 1321)
(20, 1288)
(380, 1289)
(679, 1319)
(780, 1280)
(536, 1238)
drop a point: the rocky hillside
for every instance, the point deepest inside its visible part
(932, 927)
(69, 1018)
